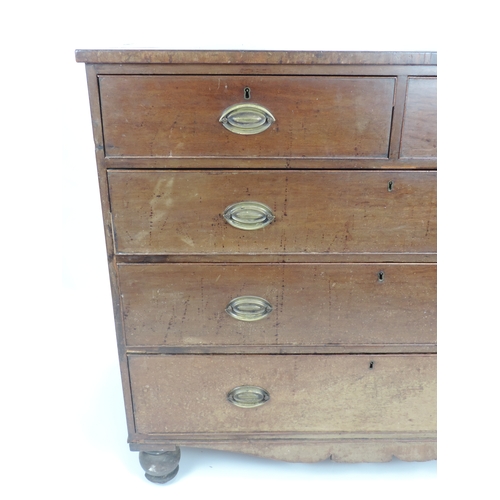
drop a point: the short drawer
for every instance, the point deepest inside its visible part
(419, 134)
(278, 304)
(306, 116)
(297, 393)
(334, 212)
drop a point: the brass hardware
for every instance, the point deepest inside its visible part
(248, 215)
(390, 186)
(249, 308)
(246, 93)
(381, 276)
(246, 119)
(248, 396)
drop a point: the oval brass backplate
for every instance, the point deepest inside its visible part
(246, 119)
(248, 215)
(248, 396)
(249, 308)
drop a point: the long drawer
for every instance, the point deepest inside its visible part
(295, 393)
(272, 304)
(181, 212)
(305, 116)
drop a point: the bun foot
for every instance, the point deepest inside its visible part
(160, 466)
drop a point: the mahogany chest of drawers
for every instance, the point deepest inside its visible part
(270, 221)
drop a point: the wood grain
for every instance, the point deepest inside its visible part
(280, 258)
(340, 115)
(419, 137)
(178, 116)
(164, 212)
(269, 69)
(328, 304)
(231, 57)
(221, 163)
(108, 234)
(399, 348)
(187, 394)
(372, 448)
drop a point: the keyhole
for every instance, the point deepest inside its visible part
(246, 92)
(381, 276)
(371, 365)
(390, 185)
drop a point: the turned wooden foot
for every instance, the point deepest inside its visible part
(160, 466)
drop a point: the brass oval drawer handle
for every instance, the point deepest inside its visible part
(248, 215)
(249, 308)
(248, 396)
(246, 119)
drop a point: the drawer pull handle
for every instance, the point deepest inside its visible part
(249, 308)
(246, 119)
(248, 396)
(248, 215)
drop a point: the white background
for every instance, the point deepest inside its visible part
(62, 418)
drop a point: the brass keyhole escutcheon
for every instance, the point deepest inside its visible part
(246, 93)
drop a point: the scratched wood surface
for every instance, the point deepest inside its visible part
(162, 212)
(178, 116)
(326, 401)
(327, 304)
(419, 136)
(371, 449)
(368, 448)
(188, 394)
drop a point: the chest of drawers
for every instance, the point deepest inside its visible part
(270, 222)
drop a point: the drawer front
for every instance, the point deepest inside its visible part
(312, 304)
(336, 393)
(419, 136)
(166, 212)
(178, 116)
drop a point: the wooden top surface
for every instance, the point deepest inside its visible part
(149, 56)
